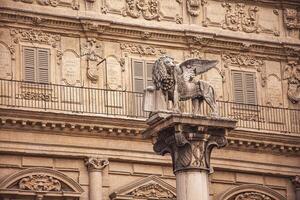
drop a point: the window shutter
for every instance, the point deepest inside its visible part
(238, 89)
(250, 88)
(149, 74)
(43, 65)
(138, 76)
(29, 63)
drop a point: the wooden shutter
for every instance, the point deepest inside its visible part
(29, 63)
(43, 65)
(238, 89)
(138, 76)
(250, 88)
(149, 66)
(244, 87)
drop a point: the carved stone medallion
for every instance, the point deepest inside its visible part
(40, 182)
(152, 190)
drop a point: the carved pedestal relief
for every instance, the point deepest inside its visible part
(170, 10)
(92, 50)
(292, 75)
(241, 17)
(74, 4)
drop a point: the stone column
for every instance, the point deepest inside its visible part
(95, 167)
(296, 182)
(189, 140)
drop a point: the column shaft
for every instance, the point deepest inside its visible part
(95, 185)
(192, 185)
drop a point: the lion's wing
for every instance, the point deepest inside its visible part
(199, 66)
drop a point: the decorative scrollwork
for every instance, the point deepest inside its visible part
(253, 195)
(152, 190)
(96, 163)
(40, 182)
(36, 96)
(35, 36)
(149, 9)
(292, 74)
(238, 19)
(142, 50)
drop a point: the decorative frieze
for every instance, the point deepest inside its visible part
(252, 195)
(35, 36)
(242, 61)
(292, 75)
(74, 4)
(96, 164)
(152, 190)
(238, 18)
(149, 9)
(142, 50)
(40, 182)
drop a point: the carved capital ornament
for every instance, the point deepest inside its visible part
(96, 164)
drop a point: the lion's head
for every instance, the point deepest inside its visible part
(163, 73)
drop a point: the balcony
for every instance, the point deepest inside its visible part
(125, 104)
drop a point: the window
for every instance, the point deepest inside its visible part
(244, 87)
(36, 64)
(142, 75)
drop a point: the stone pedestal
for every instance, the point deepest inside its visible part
(190, 140)
(95, 167)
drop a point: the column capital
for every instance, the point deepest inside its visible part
(95, 163)
(296, 181)
(189, 146)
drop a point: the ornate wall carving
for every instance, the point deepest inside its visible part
(93, 52)
(241, 17)
(252, 195)
(150, 187)
(152, 190)
(238, 18)
(193, 7)
(40, 182)
(74, 4)
(292, 75)
(36, 36)
(291, 18)
(251, 191)
(167, 10)
(142, 50)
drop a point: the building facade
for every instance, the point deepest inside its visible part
(72, 75)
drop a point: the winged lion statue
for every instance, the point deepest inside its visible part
(176, 83)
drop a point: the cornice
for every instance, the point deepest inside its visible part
(184, 38)
(105, 126)
(70, 123)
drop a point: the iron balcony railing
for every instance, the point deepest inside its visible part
(83, 100)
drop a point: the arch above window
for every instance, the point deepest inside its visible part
(251, 191)
(37, 181)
